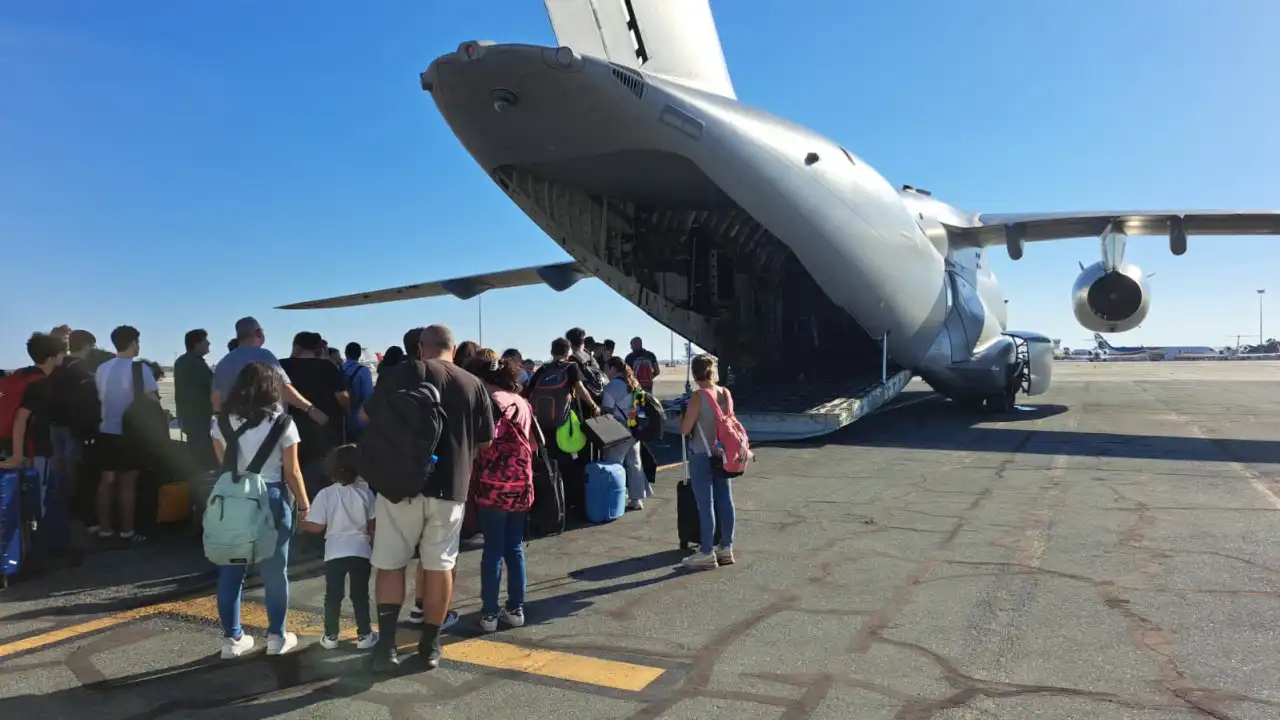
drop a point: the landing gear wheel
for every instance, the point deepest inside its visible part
(1002, 403)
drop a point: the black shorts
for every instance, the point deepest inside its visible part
(115, 453)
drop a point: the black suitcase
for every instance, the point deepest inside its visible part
(688, 522)
(547, 516)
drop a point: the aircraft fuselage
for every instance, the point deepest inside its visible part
(752, 236)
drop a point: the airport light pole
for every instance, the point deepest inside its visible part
(480, 318)
(1261, 338)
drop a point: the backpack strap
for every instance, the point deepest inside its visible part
(139, 387)
(711, 398)
(273, 436)
(231, 444)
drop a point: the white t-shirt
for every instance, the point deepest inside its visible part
(114, 379)
(273, 470)
(345, 511)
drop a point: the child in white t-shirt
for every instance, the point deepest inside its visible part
(343, 513)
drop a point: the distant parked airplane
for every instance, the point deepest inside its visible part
(1163, 351)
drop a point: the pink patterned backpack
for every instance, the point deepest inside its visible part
(503, 472)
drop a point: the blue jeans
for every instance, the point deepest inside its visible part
(274, 572)
(715, 502)
(503, 540)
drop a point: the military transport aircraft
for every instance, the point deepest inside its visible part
(767, 244)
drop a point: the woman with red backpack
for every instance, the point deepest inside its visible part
(708, 421)
(503, 489)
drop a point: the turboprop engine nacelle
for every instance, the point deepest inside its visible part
(1110, 302)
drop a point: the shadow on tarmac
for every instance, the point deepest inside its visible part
(313, 675)
(939, 424)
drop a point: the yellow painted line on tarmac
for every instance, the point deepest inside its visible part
(670, 466)
(486, 653)
(550, 663)
(35, 642)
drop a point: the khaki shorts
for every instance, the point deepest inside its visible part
(431, 525)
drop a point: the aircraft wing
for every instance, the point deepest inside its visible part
(676, 39)
(993, 228)
(559, 277)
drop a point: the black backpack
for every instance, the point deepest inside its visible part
(76, 396)
(550, 395)
(145, 422)
(593, 378)
(398, 448)
(655, 419)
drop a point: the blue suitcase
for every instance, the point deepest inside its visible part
(19, 507)
(606, 491)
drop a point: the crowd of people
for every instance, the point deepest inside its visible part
(387, 470)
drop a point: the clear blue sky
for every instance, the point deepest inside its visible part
(178, 165)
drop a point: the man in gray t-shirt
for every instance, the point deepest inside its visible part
(250, 349)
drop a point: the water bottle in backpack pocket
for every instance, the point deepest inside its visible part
(239, 527)
(606, 491)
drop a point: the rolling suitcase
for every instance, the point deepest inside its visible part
(19, 510)
(606, 492)
(547, 516)
(688, 521)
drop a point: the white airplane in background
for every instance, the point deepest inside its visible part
(1155, 352)
(762, 241)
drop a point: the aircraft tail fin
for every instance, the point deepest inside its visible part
(1102, 342)
(676, 39)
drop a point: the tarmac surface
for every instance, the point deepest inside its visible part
(1108, 551)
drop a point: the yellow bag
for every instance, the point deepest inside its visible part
(569, 436)
(173, 503)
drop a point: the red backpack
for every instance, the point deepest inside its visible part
(644, 373)
(733, 450)
(12, 388)
(503, 472)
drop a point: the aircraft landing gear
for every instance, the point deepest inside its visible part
(1004, 402)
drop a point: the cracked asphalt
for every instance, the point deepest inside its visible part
(1110, 551)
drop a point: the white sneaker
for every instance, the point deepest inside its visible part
(514, 618)
(724, 555)
(232, 649)
(281, 644)
(366, 642)
(489, 623)
(700, 561)
(635, 505)
(415, 615)
(329, 642)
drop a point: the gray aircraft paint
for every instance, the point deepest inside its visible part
(555, 128)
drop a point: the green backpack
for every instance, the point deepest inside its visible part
(239, 528)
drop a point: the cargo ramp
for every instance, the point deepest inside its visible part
(806, 410)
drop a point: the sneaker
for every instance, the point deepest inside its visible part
(329, 642)
(366, 642)
(415, 615)
(635, 505)
(281, 644)
(416, 618)
(430, 652)
(489, 623)
(700, 561)
(514, 618)
(232, 649)
(450, 619)
(384, 659)
(724, 555)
